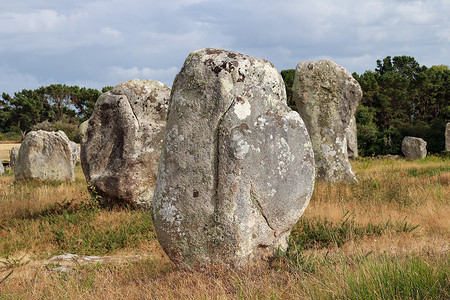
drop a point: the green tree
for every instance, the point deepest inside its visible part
(84, 101)
(107, 88)
(26, 109)
(405, 99)
(59, 96)
(288, 77)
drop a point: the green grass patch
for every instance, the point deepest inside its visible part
(320, 233)
(386, 277)
(82, 232)
(427, 172)
(383, 189)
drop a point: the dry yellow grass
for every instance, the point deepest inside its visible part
(5, 150)
(417, 193)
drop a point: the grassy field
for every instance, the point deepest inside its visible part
(386, 237)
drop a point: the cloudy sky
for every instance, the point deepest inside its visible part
(96, 43)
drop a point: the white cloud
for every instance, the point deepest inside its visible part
(13, 81)
(39, 21)
(124, 74)
(111, 31)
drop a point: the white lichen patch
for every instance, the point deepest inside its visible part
(178, 98)
(327, 151)
(168, 212)
(272, 192)
(242, 147)
(285, 157)
(342, 144)
(256, 149)
(242, 110)
(261, 122)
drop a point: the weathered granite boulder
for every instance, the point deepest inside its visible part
(13, 156)
(327, 97)
(414, 147)
(75, 152)
(121, 145)
(44, 155)
(447, 137)
(237, 166)
(352, 139)
(82, 131)
(2, 169)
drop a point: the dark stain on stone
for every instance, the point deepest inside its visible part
(210, 51)
(217, 70)
(195, 194)
(241, 76)
(275, 116)
(243, 128)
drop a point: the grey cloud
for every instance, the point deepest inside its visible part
(103, 42)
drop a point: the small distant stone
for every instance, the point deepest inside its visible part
(75, 152)
(69, 257)
(388, 156)
(13, 156)
(63, 257)
(414, 147)
(82, 131)
(352, 139)
(45, 155)
(2, 169)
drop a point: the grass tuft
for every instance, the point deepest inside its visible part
(389, 277)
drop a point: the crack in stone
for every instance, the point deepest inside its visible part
(254, 198)
(134, 114)
(217, 213)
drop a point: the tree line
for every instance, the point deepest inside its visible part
(54, 107)
(400, 98)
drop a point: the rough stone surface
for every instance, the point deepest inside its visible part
(352, 139)
(2, 169)
(414, 148)
(75, 152)
(44, 155)
(237, 166)
(121, 145)
(327, 97)
(82, 131)
(447, 137)
(13, 156)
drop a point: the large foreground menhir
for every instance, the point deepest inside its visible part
(237, 166)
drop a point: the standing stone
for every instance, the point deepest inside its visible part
(352, 139)
(82, 131)
(2, 169)
(327, 97)
(414, 148)
(44, 155)
(447, 137)
(75, 152)
(13, 156)
(121, 145)
(237, 166)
